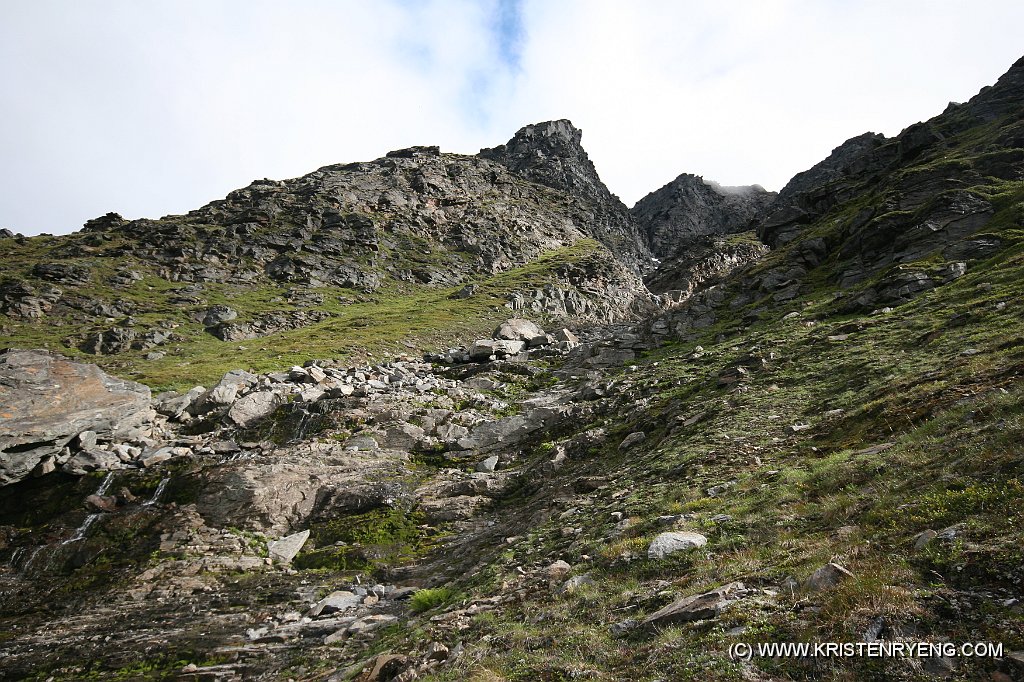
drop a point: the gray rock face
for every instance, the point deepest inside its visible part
(550, 153)
(670, 543)
(46, 400)
(691, 206)
(254, 406)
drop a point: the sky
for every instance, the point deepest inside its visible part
(158, 107)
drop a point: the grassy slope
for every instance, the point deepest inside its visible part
(396, 319)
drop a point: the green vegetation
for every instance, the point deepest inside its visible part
(430, 598)
(397, 319)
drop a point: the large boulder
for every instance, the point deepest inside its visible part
(521, 330)
(46, 400)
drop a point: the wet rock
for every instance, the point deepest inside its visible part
(102, 503)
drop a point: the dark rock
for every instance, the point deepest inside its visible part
(690, 207)
(217, 314)
(63, 273)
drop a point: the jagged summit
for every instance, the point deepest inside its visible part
(691, 206)
(551, 153)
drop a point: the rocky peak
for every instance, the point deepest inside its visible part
(691, 206)
(550, 153)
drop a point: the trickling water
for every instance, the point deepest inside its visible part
(32, 558)
(105, 485)
(82, 530)
(159, 491)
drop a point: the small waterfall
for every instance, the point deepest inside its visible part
(81, 532)
(105, 485)
(159, 492)
(32, 558)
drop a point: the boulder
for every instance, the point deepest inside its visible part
(335, 602)
(218, 313)
(521, 330)
(483, 349)
(285, 549)
(253, 407)
(46, 400)
(670, 543)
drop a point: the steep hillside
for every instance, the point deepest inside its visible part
(814, 442)
(361, 257)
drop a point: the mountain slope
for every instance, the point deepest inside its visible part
(819, 445)
(390, 239)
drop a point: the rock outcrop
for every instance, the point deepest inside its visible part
(47, 401)
(690, 207)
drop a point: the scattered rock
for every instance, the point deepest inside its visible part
(697, 607)
(677, 541)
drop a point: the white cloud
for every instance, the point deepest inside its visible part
(157, 107)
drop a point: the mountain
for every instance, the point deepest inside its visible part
(810, 432)
(386, 241)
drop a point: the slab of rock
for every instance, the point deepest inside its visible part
(631, 440)
(285, 549)
(829, 575)
(483, 349)
(488, 465)
(695, 607)
(336, 602)
(670, 543)
(46, 400)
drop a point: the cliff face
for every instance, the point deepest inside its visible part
(690, 206)
(526, 225)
